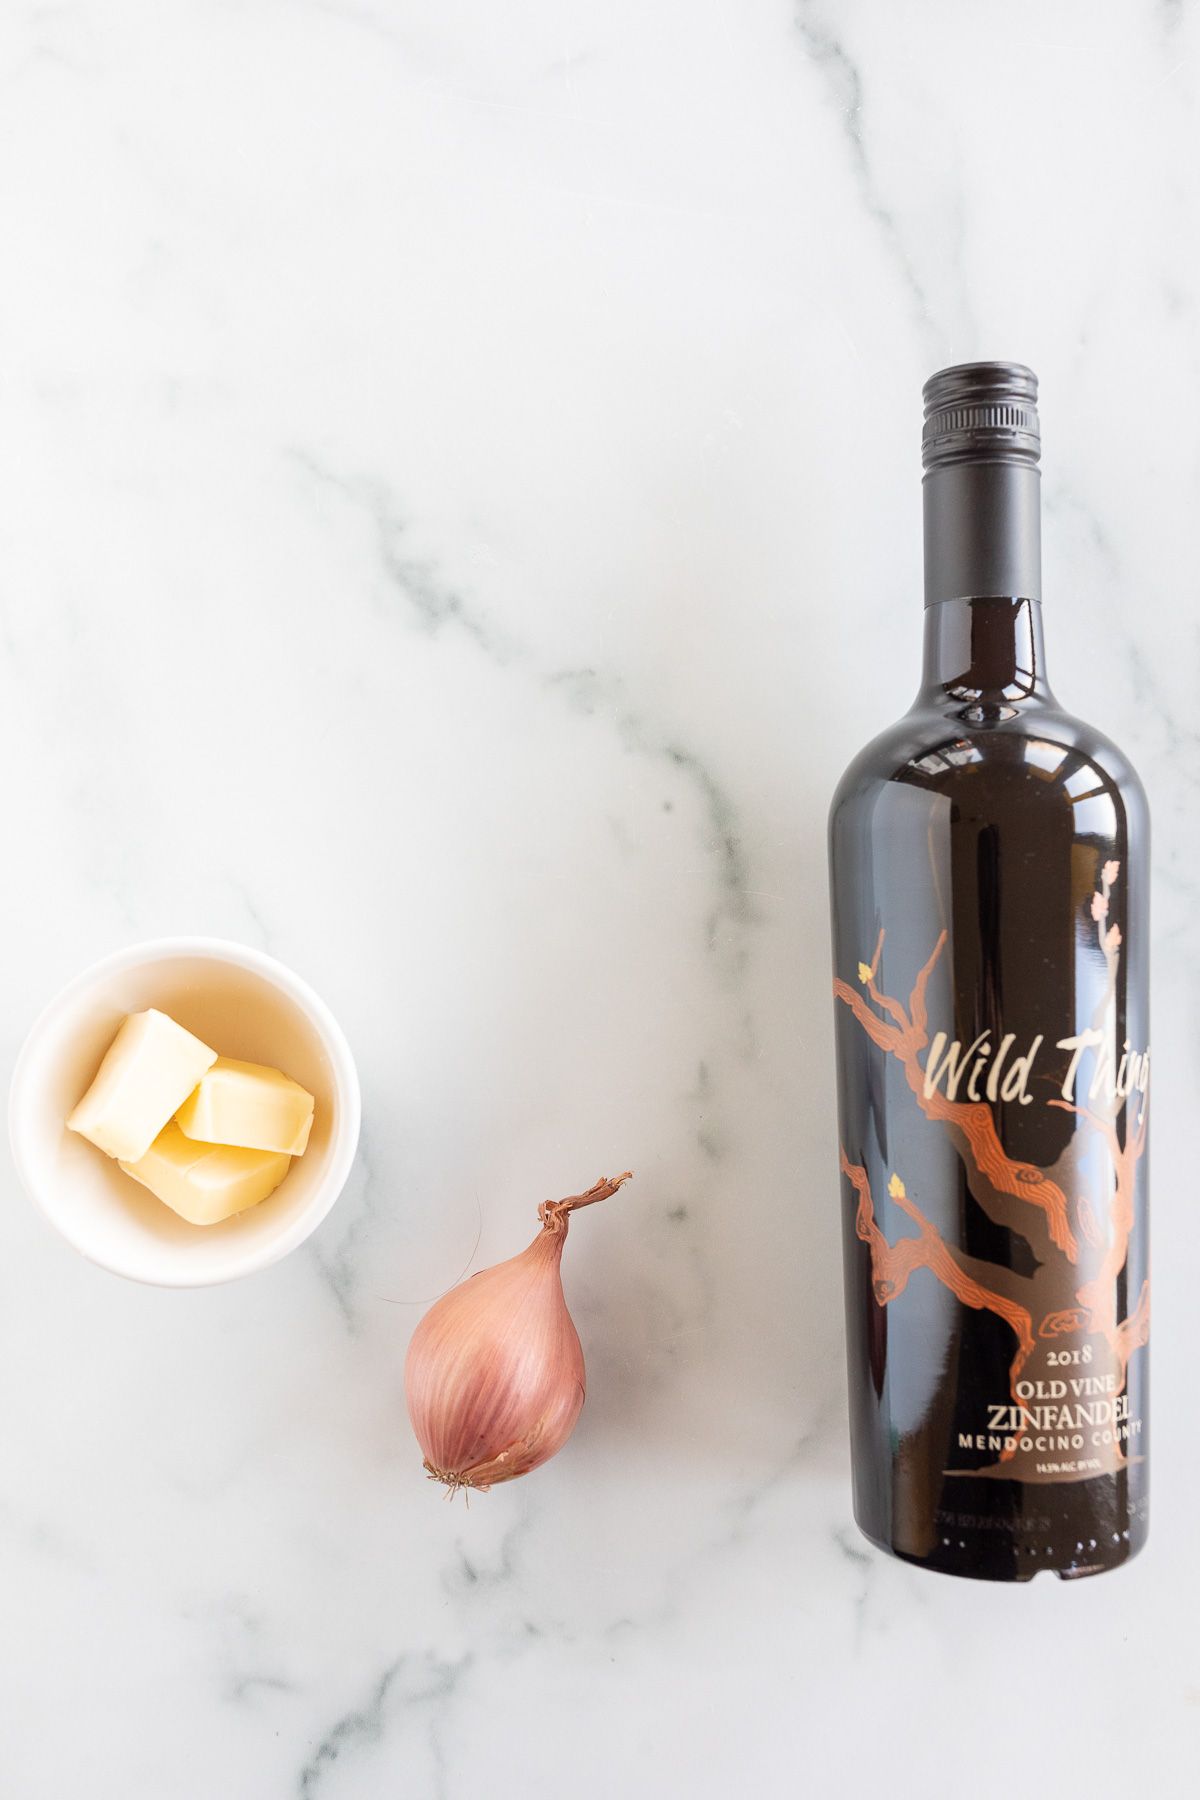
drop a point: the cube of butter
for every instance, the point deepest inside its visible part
(248, 1104)
(205, 1183)
(149, 1070)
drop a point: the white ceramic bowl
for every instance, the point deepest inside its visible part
(245, 1005)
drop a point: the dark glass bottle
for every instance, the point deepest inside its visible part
(989, 862)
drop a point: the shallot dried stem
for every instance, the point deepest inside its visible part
(553, 1213)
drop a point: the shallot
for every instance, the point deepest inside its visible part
(494, 1377)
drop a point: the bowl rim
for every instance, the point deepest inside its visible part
(344, 1144)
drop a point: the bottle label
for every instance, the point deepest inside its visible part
(1069, 1310)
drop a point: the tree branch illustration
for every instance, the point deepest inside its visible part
(974, 1283)
(1109, 939)
(997, 1177)
(1098, 1296)
(1134, 1332)
(1104, 1221)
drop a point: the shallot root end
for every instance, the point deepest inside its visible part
(453, 1483)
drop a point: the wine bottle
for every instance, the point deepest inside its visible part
(989, 860)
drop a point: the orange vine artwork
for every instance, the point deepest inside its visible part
(1080, 1242)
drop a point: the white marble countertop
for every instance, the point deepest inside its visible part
(459, 510)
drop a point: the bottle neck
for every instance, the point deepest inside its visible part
(985, 653)
(983, 584)
(983, 531)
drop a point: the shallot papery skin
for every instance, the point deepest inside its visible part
(494, 1378)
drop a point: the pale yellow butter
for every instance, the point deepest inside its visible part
(205, 1183)
(248, 1104)
(150, 1068)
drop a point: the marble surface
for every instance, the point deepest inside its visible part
(459, 510)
